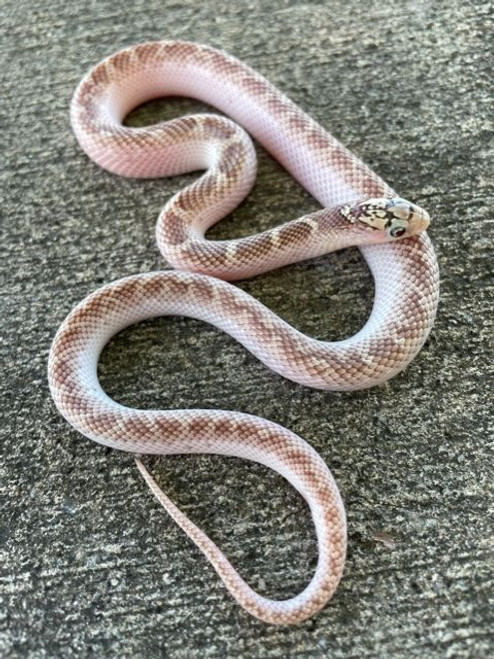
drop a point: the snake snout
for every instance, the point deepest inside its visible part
(408, 217)
(419, 220)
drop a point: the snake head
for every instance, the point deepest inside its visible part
(392, 218)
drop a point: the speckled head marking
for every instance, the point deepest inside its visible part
(405, 272)
(397, 217)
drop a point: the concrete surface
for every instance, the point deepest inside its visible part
(91, 566)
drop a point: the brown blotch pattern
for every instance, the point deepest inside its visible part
(369, 360)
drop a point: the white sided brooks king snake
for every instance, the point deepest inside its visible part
(358, 209)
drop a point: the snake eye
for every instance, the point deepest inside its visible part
(396, 232)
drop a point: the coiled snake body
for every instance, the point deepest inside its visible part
(358, 209)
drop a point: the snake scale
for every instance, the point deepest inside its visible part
(358, 209)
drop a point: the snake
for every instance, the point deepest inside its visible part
(357, 209)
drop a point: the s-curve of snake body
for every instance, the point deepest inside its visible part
(358, 209)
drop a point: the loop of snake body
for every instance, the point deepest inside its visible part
(358, 209)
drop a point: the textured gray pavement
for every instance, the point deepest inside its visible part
(90, 565)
